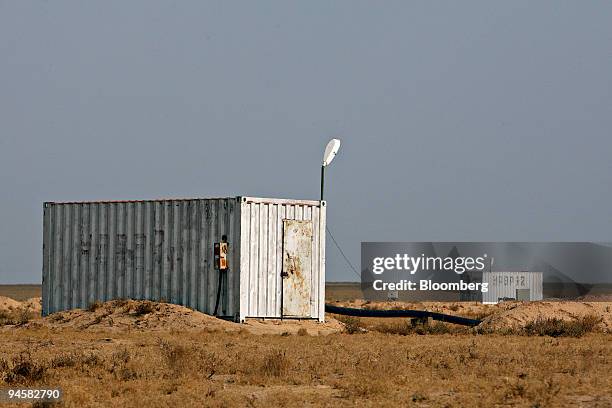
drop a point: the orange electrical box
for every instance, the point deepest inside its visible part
(221, 262)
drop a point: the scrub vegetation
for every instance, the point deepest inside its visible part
(139, 353)
(15, 317)
(209, 368)
(557, 327)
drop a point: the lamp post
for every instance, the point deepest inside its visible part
(330, 152)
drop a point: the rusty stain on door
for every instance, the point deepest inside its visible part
(297, 264)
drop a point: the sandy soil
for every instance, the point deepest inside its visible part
(221, 369)
(139, 353)
(8, 304)
(32, 305)
(505, 314)
(312, 327)
(127, 315)
(518, 314)
(21, 292)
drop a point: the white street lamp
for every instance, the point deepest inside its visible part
(330, 152)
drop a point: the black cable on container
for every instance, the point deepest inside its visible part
(219, 291)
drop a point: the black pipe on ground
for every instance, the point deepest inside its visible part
(421, 314)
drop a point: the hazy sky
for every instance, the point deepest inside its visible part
(460, 120)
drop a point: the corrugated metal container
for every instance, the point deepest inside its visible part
(512, 285)
(163, 250)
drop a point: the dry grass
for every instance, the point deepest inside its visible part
(373, 362)
(18, 316)
(93, 306)
(275, 363)
(557, 327)
(406, 328)
(342, 291)
(21, 292)
(390, 366)
(399, 326)
(143, 308)
(352, 324)
(550, 326)
(22, 369)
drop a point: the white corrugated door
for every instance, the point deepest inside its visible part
(297, 264)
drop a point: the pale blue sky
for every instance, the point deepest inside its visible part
(481, 121)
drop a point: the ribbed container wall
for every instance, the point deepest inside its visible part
(262, 254)
(158, 250)
(505, 284)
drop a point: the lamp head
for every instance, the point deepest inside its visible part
(330, 151)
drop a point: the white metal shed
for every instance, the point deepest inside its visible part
(525, 286)
(164, 250)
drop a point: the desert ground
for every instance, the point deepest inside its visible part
(138, 353)
(20, 292)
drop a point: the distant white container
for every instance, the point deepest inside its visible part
(163, 250)
(512, 285)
